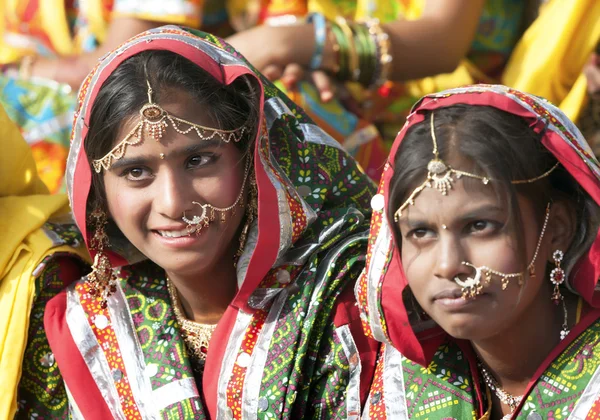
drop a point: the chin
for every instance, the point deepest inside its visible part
(464, 327)
(186, 265)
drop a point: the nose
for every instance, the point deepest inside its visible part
(451, 254)
(174, 195)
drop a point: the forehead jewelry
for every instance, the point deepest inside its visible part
(441, 176)
(154, 120)
(473, 286)
(208, 211)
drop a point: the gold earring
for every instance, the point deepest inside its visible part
(102, 280)
(557, 276)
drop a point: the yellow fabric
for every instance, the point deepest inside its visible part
(549, 58)
(51, 19)
(25, 206)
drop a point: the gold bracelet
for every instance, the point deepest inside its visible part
(26, 67)
(354, 68)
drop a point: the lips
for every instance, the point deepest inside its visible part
(448, 294)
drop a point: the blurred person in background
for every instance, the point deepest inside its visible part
(367, 62)
(40, 250)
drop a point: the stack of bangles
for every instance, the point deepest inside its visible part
(363, 49)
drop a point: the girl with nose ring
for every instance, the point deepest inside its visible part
(483, 263)
(227, 231)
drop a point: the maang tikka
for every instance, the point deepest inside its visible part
(154, 120)
(441, 177)
(102, 280)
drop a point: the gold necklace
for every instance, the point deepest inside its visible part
(195, 335)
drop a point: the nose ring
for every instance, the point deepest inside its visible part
(196, 220)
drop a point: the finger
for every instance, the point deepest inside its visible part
(292, 74)
(272, 72)
(323, 84)
(592, 74)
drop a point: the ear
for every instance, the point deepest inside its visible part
(562, 223)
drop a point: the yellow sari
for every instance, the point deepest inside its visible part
(551, 54)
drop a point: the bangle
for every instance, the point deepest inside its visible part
(342, 43)
(26, 67)
(382, 40)
(353, 56)
(336, 50)
(366, 48)
(320, 24)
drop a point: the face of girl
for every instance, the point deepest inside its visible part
(439, 232)
(148, 195)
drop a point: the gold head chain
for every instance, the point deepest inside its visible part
(441, 176)
(155, 120)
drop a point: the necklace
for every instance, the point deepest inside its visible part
(195, 335)
(505, 397)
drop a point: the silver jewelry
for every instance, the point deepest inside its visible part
(504, 396)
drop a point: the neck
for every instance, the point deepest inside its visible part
(514, 355)
(205, 296)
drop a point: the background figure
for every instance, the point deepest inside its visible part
(37, 232)
(47, 47)
(590, 118)
(435, 44)
(227, 232)
(483, 264)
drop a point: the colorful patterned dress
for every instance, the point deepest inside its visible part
(290, 345)
(421, 372)
(42, 108)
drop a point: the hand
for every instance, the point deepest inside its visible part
(272, 48)
(293, 73)
(69, 70)
(592, 74)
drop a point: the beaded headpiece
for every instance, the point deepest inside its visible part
(441, 176)
(154, 121)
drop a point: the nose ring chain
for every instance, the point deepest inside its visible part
(208, 212)
(473, 286)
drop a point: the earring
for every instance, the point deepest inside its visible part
(557, 276)
(251, 214)
(102, 280)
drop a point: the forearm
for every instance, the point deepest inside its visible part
(428, 46)
(73, 69)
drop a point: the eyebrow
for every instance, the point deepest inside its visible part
(144, 159)
(476, 213)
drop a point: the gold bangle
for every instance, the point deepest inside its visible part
(26, 67)
(354, 68)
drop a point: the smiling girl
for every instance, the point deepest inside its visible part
(226, 231)
(483, 263)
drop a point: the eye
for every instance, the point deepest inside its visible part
(483, 226)
(420, 233)
(198, 161)
(136, 174)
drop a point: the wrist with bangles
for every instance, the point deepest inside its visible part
(362, 50)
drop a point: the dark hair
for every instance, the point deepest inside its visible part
(502, 147)
(125, 91)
